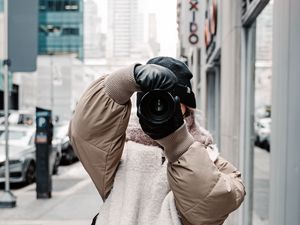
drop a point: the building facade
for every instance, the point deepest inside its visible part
(61, 27)
(94, 38)
(219, 48)
(125, 30)
(57, 84)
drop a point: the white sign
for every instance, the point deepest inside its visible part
(190, 23)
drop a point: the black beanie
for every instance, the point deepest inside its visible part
(183, 74)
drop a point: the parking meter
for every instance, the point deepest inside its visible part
(43, 142)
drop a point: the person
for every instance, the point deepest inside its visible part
(166, 174)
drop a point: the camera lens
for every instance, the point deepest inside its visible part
(157, 106)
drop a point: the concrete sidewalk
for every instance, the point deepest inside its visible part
(74, 201)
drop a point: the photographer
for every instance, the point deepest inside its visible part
(193, 186)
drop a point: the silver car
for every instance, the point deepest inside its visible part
(60, 136)
(22, 154)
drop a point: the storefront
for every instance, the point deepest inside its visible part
(224, 63)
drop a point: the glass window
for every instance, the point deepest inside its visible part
(50, 29)
(70, 31)
(59, 5)
(71, 5)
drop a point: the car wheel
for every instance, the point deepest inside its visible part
(264, 144)
(56, 165)
(268, 146)
(30, 174)
(256, 141)
(70, 156)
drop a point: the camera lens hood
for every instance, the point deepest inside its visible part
(156, 107)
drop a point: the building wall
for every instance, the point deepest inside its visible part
(60, 95)
(61, 27)
(285, 154)
(125, 29)
(217, 76)
(230, 102)
(119, 28)
(92, 31)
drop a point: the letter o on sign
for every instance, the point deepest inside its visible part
(193, 38)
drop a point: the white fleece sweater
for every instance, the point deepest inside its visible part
(141, 193)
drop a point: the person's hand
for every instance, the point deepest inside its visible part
(159, 131)
(154, 77)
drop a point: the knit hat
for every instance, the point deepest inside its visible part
(184, 88)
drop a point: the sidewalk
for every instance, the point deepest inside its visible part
(74, 201)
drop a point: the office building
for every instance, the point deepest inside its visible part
(125, 29)
(93, 36)
(61, 27)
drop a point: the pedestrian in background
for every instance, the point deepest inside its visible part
(193, 186)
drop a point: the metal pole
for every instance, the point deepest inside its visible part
(247, 118)
(51, 82)
(8, 200)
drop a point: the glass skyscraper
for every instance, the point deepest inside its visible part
(61, 27)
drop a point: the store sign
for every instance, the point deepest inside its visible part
(251, 9)
(211, 22)
(210, 26)
(190, 20)
(194, 24)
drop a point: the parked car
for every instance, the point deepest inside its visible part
(26, 117)
(22, 154)
(263, 133)
(60, 135)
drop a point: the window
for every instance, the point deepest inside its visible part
(70, 31)
(50, 29)
(59, 5)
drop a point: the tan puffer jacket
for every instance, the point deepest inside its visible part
(205, 191)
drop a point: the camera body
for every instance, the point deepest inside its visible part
(157, 107)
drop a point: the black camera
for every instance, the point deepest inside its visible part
(157, 107)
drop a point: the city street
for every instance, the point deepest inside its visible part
(75, 200)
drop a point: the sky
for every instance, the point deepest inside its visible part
(166, 22)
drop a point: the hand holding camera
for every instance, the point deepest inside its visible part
(158, 111)
(154, 77)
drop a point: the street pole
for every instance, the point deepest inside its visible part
(7, 200)
(247, 118)
(51, 83)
